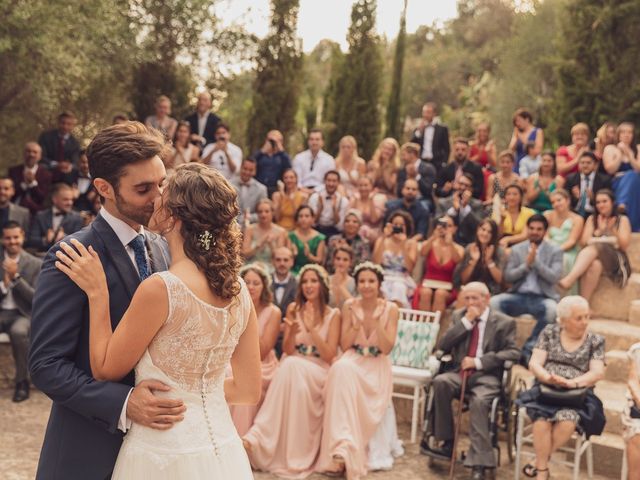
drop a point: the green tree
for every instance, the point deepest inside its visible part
(395, 96)
(277, 84)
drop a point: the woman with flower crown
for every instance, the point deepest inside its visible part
(286, 433)
(359, 384)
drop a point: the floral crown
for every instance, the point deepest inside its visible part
(260, 268)
(322, 273)
(368, 266)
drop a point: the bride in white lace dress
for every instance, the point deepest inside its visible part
(182, 328)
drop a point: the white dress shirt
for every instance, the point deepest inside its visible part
(8, 303)
(219, 160)
(310, 169)
(324, 216)
(34, 182)
(482, 325)
(583, 189)
(427, 142)
(202, 123)
(279, 289)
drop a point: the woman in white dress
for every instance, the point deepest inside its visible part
(182, 327)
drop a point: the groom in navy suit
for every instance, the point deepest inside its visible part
(88, 418)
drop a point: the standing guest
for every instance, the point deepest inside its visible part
(342, 287)
(223, 155)
(64, 172)
(203, 121)
(31, 181)
(53, 224)
(441, 256)
(460, 165)
(605, 239)
(285, 437)
(183, 150)
(250, 191)
(466, 210)
(262, 238)
(59, 144)
(631, 414)
(432, 137)
(422, 172)
(311, 165)
(163, 120)
(288, 199)
(371, 204)
(606, 135)
(349, 165)
(85, 193)
(524, 131)
(567, 157)
(284, 284)
(483, 259)
(384, 165)
(482, 150)
(529, 164)
(533, 269)
(350, 237)
(258, 283)
(10, 212)
(585, 182)
(272, 162)
(352, 415)
(514, 216)
(19, 273)
(309, 244)
(504, 177)
(540, 185)
(409, 203)
(330, 205)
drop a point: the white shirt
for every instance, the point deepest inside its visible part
(219, 160)
(427, 142)
(56, 219)
(482, 325)
(279, 290)
(310, 169)
(8, 303)
(583, 188)
(84, 183)
(325, 217)
(202, 123)
(34, 182)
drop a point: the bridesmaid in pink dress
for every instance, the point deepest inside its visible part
(286, 433)
(269, 315)
(360, 384)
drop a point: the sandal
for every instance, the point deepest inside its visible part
(531, 471)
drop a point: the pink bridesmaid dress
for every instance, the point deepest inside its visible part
(243, 415)
(357, 395)
(286, 433)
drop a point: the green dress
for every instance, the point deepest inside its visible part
(301, 259)
(542, 202)
(559, 235)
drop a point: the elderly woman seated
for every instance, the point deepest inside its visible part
(567, 362)
(631, 414)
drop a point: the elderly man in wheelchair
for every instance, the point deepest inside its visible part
(478, 347)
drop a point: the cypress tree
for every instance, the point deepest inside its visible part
(277, 85)
(394, 128)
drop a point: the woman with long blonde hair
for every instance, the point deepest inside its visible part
(384, 165)
(349, 165)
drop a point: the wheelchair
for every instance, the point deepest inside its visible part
(502, 414)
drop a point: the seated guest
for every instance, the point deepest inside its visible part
(480, 340)
(441, 255)
(222, 155)
(203, 121)
(351, 238)
(529, 164)
(432, 137)
(308, 244)
(467, 211)
(349, 165)
(533, 268)
(409, 203)
(525, 132)
(567, 156)
(250, 192)
(541, 185)
(183, 150)
(631, 414)
(59, 144)
(584, 183)
(312, 164)
(20, 272)
(288, 199)
(329, 205)
(85, 193)
(504, 177)
(605, 239)
(283, 284)
(371, 204)
(482, 150)
(513, 217)
(53, 224)
(397, 252)
(422, 172)
(352, 415)
(31, 182)
(341, 284)
(566, 357)
(163, 120)
(285, 437)
(272, 162)
(10, 212)
(483, 259)
(261, 239)
(269, 315)
(454, 170)
(384, 165)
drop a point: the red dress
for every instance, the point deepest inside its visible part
(564, 152)
(434, 270)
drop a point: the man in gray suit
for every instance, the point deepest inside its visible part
(19, 273)
(250, 191)
(10, 211)
(533, 269)
(480, 340)
(466, 211)
(283, 285)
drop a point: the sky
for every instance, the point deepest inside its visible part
(319, 19)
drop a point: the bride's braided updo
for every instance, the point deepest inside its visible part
(207, 206)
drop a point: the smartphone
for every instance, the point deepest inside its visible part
(397, 229)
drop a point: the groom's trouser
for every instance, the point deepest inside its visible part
(17, 326)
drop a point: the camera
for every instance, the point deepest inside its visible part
(397, 229)
(273, 143)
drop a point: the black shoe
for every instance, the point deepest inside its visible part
(477, 472)
(22, 391)
(444, 452)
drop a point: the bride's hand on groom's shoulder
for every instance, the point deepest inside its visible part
(82, 266)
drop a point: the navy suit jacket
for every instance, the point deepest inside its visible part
(209, 129)
(49, 142)
(82, 438)
(43, 221)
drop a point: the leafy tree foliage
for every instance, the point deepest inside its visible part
(395, 96)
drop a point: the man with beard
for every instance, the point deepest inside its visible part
(409, 203)
(329, 206)
(88, 417)
(533, 269)
(10, 211)
(460, 165)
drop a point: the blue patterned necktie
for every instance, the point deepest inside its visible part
(139, 251)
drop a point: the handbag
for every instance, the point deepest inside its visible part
(561, 397)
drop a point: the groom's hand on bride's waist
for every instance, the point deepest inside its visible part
(145, 408)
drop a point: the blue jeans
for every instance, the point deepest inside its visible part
(543, 309)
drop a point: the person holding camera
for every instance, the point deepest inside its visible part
(223, 155)
(410, 203)
(461, 205)
(272, 161)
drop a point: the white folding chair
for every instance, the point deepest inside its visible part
(624, 474)
(415, 378)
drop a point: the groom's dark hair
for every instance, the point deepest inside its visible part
(117, 146)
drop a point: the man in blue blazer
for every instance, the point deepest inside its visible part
(88, 417)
